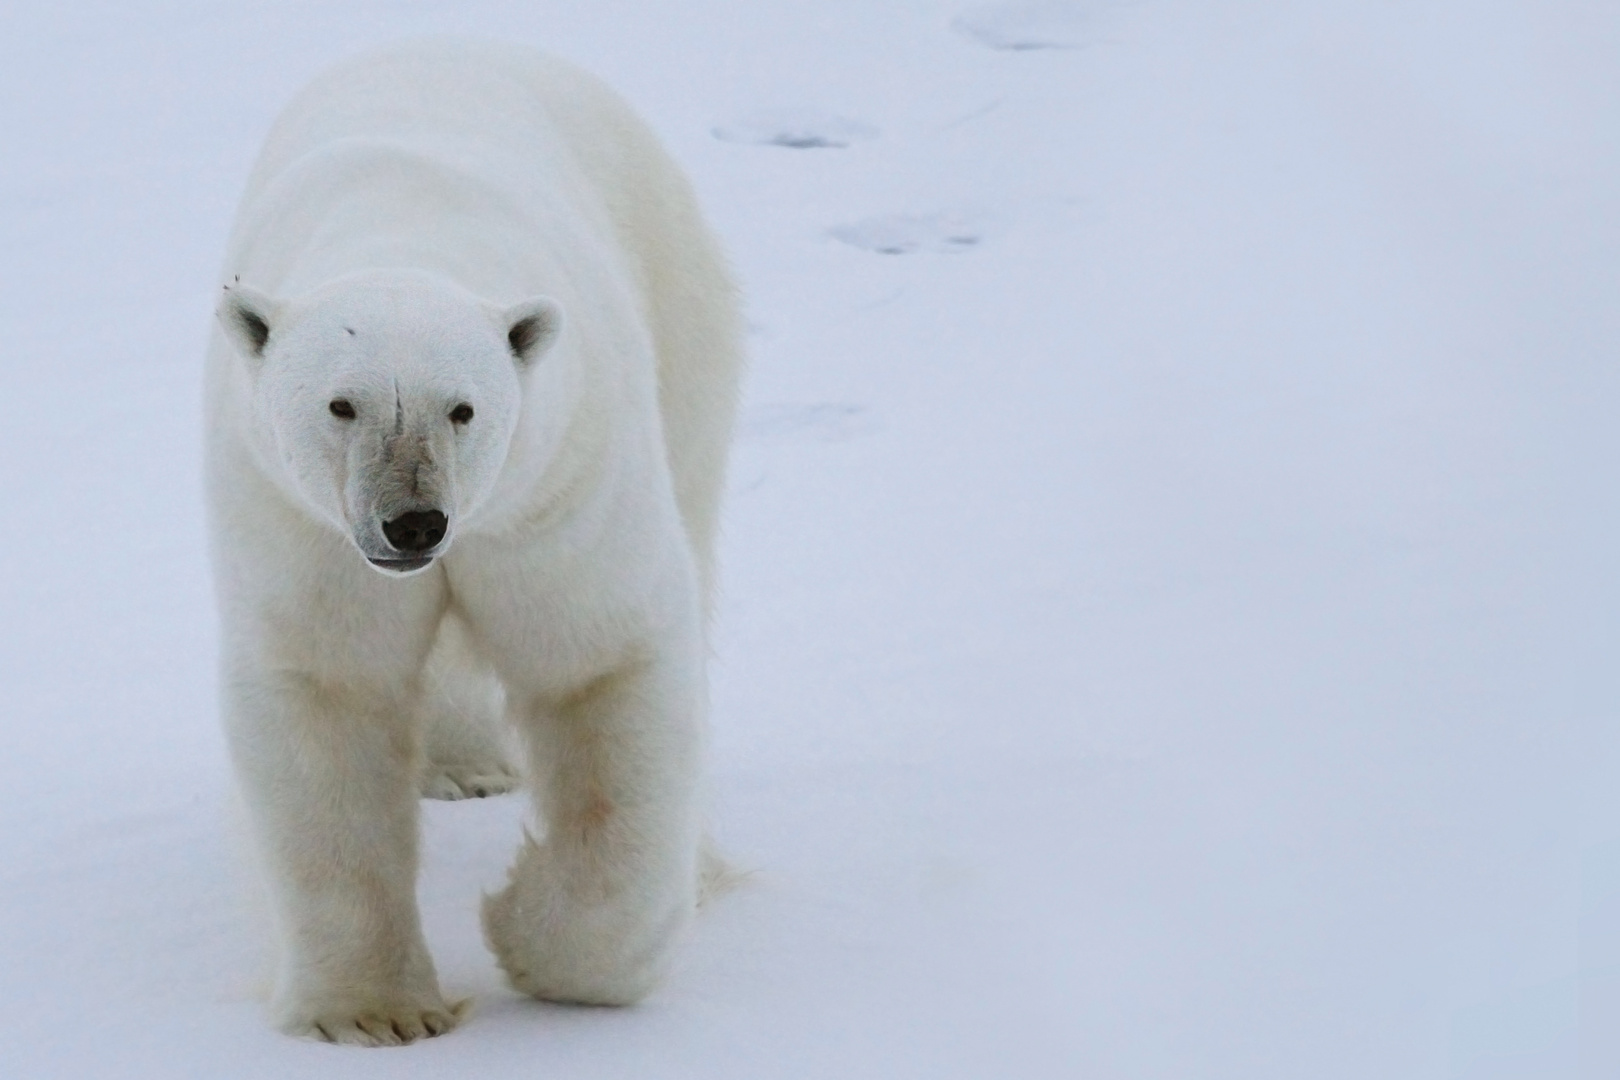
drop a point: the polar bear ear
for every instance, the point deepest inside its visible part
(247, 315)
(531, 327)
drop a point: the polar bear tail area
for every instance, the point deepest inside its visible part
(716, 875)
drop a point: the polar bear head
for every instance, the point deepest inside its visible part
(386, 402)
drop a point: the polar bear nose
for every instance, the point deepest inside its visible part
(418, 530)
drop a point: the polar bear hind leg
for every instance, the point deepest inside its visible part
(465, 741)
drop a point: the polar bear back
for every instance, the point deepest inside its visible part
(422, 136)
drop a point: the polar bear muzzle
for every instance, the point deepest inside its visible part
(401, 493)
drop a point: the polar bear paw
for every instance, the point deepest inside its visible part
(377, 1024)
(460, 780)
(563, 944)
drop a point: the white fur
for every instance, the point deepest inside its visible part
(408, 210)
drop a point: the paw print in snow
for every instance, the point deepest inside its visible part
(903, 234)
(796, 129)
(827, 421)
(1021, 27)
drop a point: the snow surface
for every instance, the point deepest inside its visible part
(1172, 637)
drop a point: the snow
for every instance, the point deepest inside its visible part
(1171, 636)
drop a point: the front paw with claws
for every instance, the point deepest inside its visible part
(377, 1025)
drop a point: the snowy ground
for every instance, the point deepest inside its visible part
(1171, 614)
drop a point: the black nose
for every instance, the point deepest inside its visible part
(415, 531)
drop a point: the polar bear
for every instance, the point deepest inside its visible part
(468, 406)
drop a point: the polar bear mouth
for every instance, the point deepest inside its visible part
(401, 566)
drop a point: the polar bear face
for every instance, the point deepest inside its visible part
(386, 402)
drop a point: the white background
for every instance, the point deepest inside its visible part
(1172, 635)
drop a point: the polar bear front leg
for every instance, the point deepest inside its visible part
(330, 782)
(592, 911)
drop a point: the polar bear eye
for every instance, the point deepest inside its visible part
(461, 413)
(341, 409)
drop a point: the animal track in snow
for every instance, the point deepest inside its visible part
(1052, 24)
(903, 234)
(797, 129)
(826, 421)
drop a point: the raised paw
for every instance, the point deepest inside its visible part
(378, 1026)
(561, 936)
